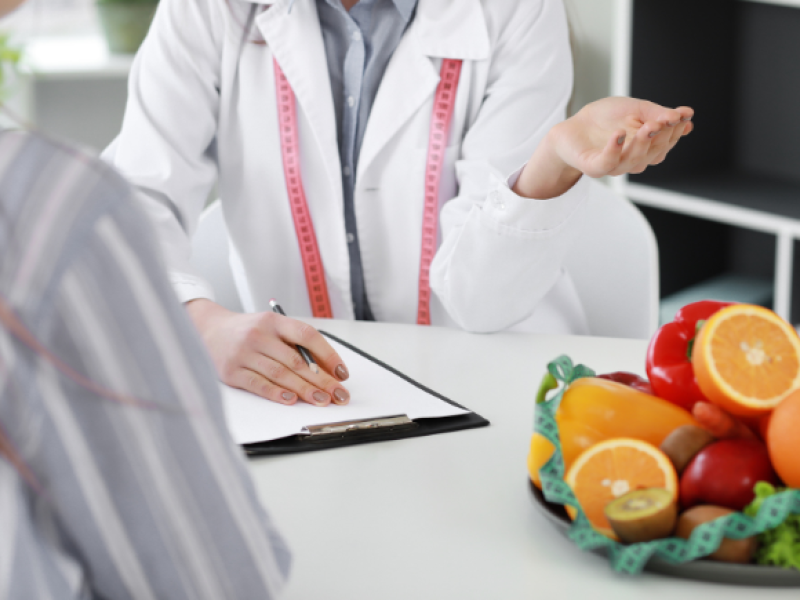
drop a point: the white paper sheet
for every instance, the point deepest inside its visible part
(374, 392)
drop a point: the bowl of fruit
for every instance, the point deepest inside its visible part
(692, 472)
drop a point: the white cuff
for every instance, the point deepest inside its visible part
(509, 211)
(189, 287)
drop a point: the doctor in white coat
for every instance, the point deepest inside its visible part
(204, 108)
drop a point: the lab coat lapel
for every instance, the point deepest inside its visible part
(410, 79)
(292, 31)
(441, 29)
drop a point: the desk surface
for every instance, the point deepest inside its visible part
(449, 516)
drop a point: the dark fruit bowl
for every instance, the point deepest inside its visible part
(700, 570)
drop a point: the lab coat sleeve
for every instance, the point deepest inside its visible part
(501, 253)
(166, 144)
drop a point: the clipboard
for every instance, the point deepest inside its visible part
(338, 434)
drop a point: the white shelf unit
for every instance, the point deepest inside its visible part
(73, 57)
(737, 176)
(71, 87)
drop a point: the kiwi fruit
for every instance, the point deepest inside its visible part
(735, 551)
(642, 515)
(683, 443)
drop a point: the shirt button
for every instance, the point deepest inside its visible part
(346, 171)
(356, 36)
(495, 199)
(351, 102)
(350, 238)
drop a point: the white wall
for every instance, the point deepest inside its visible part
(592, 23)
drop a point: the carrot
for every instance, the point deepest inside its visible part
(720, 423)
(763, 425)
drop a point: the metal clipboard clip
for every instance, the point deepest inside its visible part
(359, 427)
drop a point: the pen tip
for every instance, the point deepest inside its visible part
(314, 368)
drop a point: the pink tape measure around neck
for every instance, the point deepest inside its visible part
(443, 105)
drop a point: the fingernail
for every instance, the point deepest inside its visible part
(672, 124)
(621, 140)
(321, 398)
(684, 119)
(341, 396)
(289, 397)
(341, 372)
(653, 134)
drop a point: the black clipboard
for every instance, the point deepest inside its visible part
(391, 427)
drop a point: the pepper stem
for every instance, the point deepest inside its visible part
(548, 384)
(690, 347)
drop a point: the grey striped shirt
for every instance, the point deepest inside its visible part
(143, 500)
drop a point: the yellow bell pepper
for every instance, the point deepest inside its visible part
(593, 410)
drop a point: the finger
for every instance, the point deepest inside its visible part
(636, 153)
(250, 381)
(299, 333)
(277, 350)
(659, 146)
(674, 137)
(609, 158)
(670, 117)
(687, 113)
(676, 133)
(306, 390)
(650, 111)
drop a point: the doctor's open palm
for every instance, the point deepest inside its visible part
(612, 136)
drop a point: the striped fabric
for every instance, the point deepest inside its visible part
(144, 499)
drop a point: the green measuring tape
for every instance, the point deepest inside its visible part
(632, 558)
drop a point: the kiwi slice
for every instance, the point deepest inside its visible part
(643, 515)
(683, 443)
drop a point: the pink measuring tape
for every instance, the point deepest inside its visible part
(443, 105)
(306, 238)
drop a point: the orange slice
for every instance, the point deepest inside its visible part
(746, 359)
(615, 467)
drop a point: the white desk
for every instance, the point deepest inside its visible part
(449, 516)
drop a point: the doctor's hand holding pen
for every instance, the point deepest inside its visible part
(261, 353)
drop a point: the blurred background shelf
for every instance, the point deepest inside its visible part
(72, 88)
(728, 287)
(63, 58)
(725, 206)
(795, 3)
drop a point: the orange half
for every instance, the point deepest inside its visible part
(613, 468)
(746, 359)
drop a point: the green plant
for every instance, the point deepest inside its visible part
(9, 59)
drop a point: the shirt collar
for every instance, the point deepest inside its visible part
(404, 7)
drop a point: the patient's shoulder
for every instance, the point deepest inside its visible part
(51, 198)
(40, 173)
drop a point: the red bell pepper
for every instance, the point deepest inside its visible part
(669, 356)
(629, 379)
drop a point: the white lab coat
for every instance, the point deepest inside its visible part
(202, 109)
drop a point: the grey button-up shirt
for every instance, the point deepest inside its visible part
(358, 46)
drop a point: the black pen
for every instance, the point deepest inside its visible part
(303, 352)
